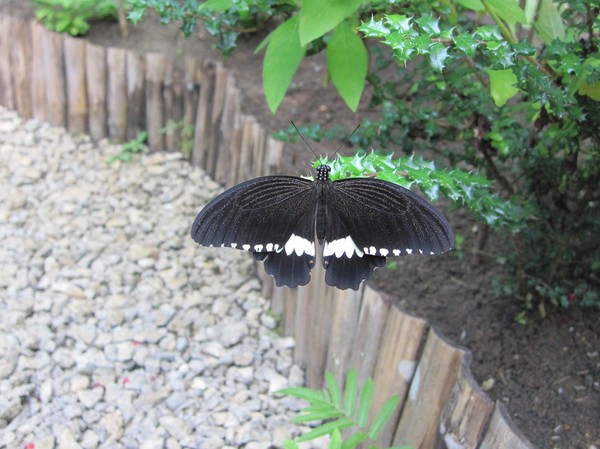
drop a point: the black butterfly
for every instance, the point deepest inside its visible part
(359, 222)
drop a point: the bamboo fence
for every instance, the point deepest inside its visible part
(116, 93)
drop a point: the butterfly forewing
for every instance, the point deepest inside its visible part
(273, 217)
(385, 219)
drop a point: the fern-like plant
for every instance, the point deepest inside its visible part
(333, 410)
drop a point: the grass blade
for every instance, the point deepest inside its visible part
(350, 395)
(364, 406)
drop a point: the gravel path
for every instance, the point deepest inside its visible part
(116, 330)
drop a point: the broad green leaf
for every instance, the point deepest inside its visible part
(549, 24)
(383, 416)
(364, 405)
(216, 5)
(334, 389)
(437, 56)
(284, 53)
(326, 429)
(502, 85)
(317, 17)
(347, 62)
(508, 10)
(475, 5)
(350, 395)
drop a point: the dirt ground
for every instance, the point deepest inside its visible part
(546, 372)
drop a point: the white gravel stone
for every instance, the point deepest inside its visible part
(121, 331)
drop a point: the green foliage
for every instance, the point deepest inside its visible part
(128, 149)
(73, 16)
(186, 134)
(505, 92)
(333, 410)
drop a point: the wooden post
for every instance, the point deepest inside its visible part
(77, 97)
(273, 156)
(38, 77)
(226, 157)
(396, 363)
(372, 318)
(54, 73)
(218, 104)
(431, 384)
(21, 66)
(318, 328)
(95, 73)
(247, 149)
(344, 320)
(503, 434)
(466, 412)
(190, 95)
(301, 316)
(173, 98)
(117, 93)
(7, 98)
(205, 102)
(155, 115)
(136, 96)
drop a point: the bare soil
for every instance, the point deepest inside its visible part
(547, 372)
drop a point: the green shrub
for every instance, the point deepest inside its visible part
(511, 92)
(73, 16)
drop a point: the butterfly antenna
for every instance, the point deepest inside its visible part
(304, 140)
(346, 142)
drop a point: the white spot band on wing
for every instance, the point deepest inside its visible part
(340, 247)
(299, 245)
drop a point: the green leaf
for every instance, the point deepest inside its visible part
(364, 405)
(307, 394)
(466, 43)
(383, 416)
(318, 17)
(284, 53)
(326, 429)
(347, 62)
(322, 415)
(437, 56)
(290, 444)
(336, 440)
(354, 440)
(216, 5)
(549, 24)
(508, 10)
(350, 395)
(475, 5)
(502, 85)
(334, 389)
(374, 28)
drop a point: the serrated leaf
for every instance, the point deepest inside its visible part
(466, 43)
(334, 389)
(399, 23)
(438, 53)
(347, 61)
(350, 394)
(383, 417)
(374, 28)
(549, 23)
(429, 25)
(283, 55)
(318, 17)
(502, 85)
(326, 429)
(364, 405)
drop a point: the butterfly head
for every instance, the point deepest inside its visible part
(323, 172)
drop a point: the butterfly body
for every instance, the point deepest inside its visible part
(357, 222)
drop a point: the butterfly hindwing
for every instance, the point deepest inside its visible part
(272, 216)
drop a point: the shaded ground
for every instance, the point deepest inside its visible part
(547, 372)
